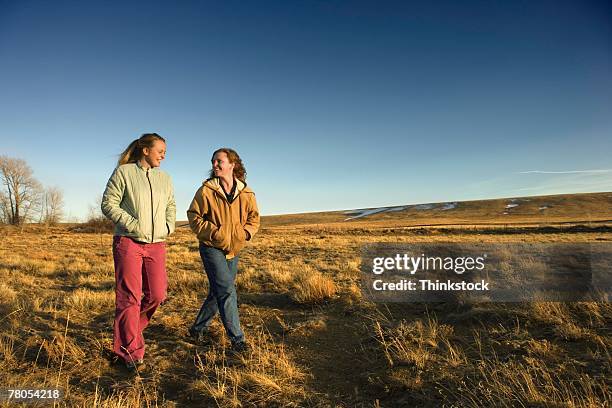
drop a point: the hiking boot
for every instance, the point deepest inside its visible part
(240, 347)
(134, 365)
(200, 337)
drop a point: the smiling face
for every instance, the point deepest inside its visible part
(222, 167)
(154, 155)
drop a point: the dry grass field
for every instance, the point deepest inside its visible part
(315, 340)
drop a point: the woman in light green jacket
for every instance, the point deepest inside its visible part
(139, 199)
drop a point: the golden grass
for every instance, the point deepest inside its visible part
(265, 375)
(417, 343)
(89, 301)
(300, 306)
(311, 286)
(532, 383)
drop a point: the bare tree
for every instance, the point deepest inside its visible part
(97, 221)
(21, 195)
(5, 212)
(52, 206)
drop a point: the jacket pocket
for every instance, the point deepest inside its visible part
(239, 238)
(221, 238)
(131, 226)
(161, 232)
(138, 233)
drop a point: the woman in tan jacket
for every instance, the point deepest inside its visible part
(223, 215)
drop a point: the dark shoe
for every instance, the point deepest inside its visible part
(134, 365)
(200, 337)
(240, 347)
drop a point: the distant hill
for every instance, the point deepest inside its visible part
(587, 208)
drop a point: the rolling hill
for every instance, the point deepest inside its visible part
(587, 209)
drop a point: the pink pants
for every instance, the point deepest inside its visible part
(140, 269)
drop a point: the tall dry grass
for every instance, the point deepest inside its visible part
(263, 376)
(301, 296)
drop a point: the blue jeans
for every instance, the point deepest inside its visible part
(221, 297)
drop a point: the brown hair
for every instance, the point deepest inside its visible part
(133, 152)
(239, 170)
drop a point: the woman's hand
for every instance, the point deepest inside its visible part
(221, 237)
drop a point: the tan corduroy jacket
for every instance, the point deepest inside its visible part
(218, 223)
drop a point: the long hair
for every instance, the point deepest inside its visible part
(239, 170)
(133, 152)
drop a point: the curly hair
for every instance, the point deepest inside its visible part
(233, 157)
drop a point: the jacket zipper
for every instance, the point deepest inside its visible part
(231, 231)
(152, 216)
(229, 206)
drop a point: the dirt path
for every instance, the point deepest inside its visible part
(333, 346)
(336, 358)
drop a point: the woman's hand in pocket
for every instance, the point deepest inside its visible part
(239, 240)
(133, 226)
(220, 238)
(241, 233)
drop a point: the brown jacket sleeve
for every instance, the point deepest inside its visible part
(252, 222)
(196, 213)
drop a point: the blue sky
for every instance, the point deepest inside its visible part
(331, 104)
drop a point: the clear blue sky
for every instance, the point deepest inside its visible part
(331, 104)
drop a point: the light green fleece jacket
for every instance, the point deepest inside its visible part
(140, 202)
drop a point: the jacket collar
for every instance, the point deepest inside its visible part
(215, 184)
(144, 168)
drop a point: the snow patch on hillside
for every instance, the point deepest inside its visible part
(365, 213)
(400, 208)
(423, 207)
(419, 207)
